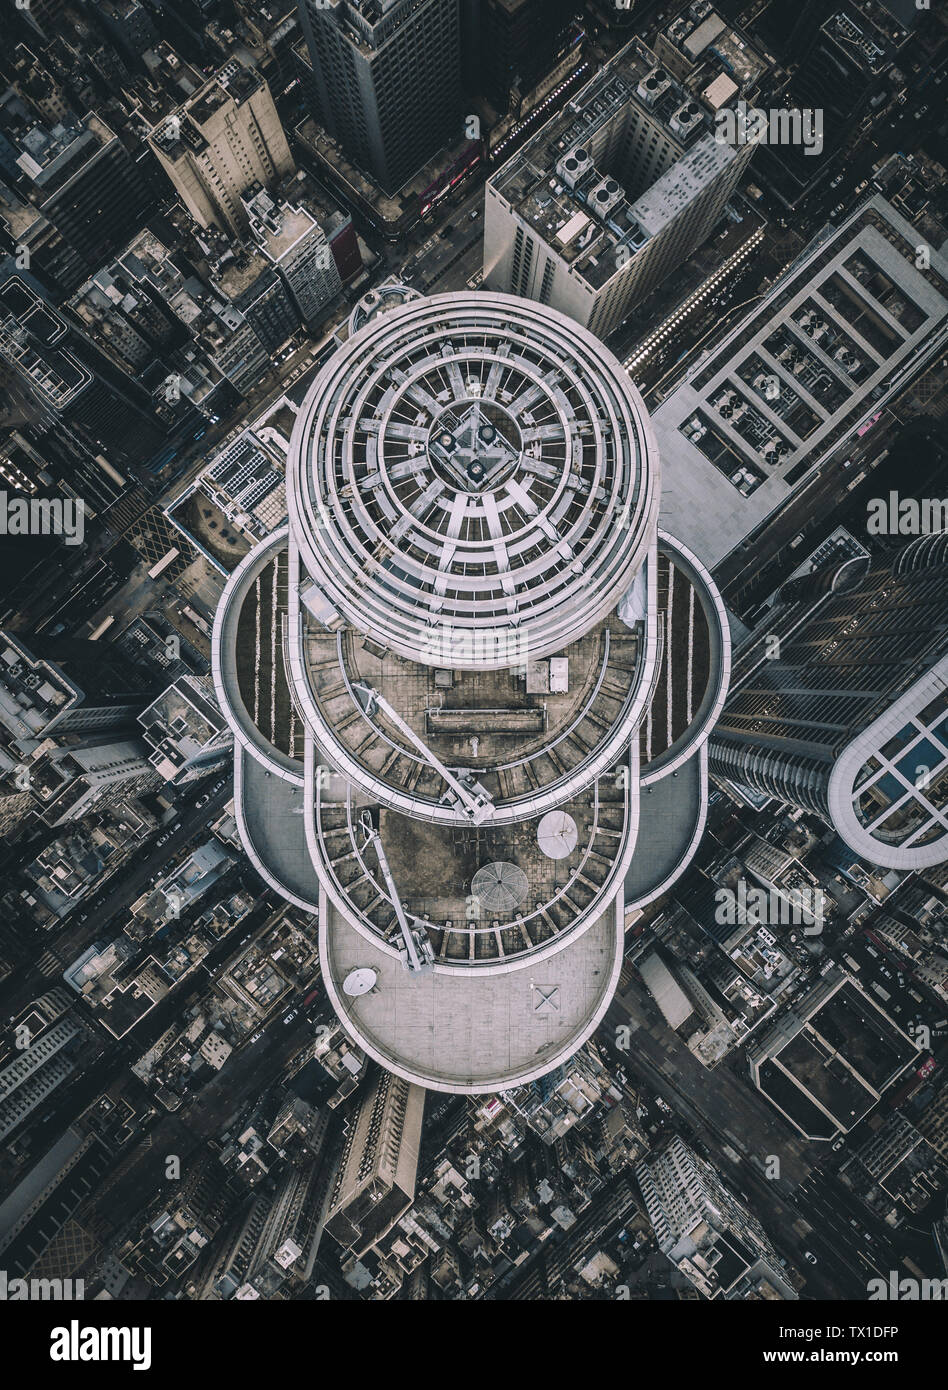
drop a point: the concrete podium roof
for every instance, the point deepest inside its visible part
(473, 1033)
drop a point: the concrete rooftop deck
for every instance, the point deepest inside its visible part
(473, 1033)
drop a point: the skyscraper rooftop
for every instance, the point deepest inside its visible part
(437, 672)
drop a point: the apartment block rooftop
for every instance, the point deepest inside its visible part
(34, 694)
(180, 724)
(183, 129)
(588, 184)
(51, 155)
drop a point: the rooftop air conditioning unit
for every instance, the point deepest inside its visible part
(574, 166)
(604, 196)
(686, 118)
(653, 85)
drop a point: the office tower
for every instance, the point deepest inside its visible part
(705, 1231)
(46, 1197)
(296, 245)
(66, 687)
(219, 143)
(275, 1238)
(842, 65)
(375, 1182)
(386, 80)
(68, 782)
(267, 307)
(186, 732)
(31, 1075)
(828, 1060)
(609, 196)
(846, 70)
(80, 411)
(130, 25)
(443, 755)
(78, 176)
(841, 706)
(796, 383)
(519, 42)
(46, 17)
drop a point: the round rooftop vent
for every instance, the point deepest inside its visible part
(557, 835)
(500, 887)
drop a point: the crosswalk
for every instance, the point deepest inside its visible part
(49, 964)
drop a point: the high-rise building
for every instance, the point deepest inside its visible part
(47, 1195)
(519, 42)
(276, 1236)
(386, 80)
(841, 706)
(705, 1231)
(36, 1071)
(375, 1182)
(67, 782)
(845, 68)
(78, 176)
(300, 252)
(76, 687)
(797, 381)
(130, 25)
(609, 196)
(444, 753)
(78, 408)
(185, 731)
(219, 143)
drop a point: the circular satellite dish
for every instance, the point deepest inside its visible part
(359, 981)
(500, 887)
(557, 835)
